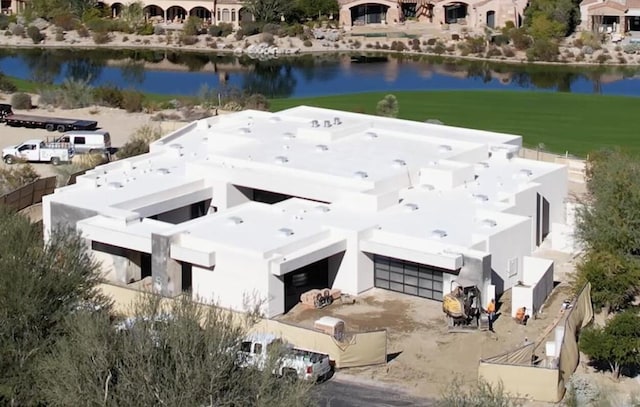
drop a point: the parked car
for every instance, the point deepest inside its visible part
(38, 151)
(86, 141)
(295, 363)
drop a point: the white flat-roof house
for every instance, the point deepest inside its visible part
(256, 205)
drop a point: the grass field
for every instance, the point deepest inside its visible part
(576, 123)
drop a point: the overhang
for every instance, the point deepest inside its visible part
(444, 260)
(633, 12)
(283, 264)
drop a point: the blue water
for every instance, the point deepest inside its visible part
(317, 76)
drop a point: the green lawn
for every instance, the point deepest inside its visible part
(564, 122)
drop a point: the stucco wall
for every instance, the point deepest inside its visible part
(512, 243)
(538, 283)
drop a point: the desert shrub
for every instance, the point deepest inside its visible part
(18, 30)
(110, 96)
(587, 50)
(146, 29)
(192, 26)
(398, 46)
(500, 40)
(493, 52)
(8, 33)
(74, 94)
(520, 39)
(507, 51)
(307, 43)
(543, 50)
(439, 48)
(21, 101)
(4, 21)
(188, 39)
(455, 37)
(80, 162)
(357, 44)
(98, 24)
(267, 38)
(232, 106)
(431, 41)
(294, 30)
(481, 394)
(83, 32)
(580, 57)
(59, 34)
(476, 45)
(256, 101)
(132, 101)
(247, 29)
(34, 33)
(509, 25)
(578, 43)
(101, 37)
(6, 85)
(464, 49)
(591, 39)
(271, 28)
(388, 106)
(125, 39)
(602, 58)
(622, 60)
(415, 45)
(139, 142)
(220, 30)
(632, 48)
(158, 30)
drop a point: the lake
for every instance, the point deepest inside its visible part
(186, 73)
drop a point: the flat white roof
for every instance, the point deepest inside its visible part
(444, 185)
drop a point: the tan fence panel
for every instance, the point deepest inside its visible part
(518, 376)
(361, 348)
(29, 194)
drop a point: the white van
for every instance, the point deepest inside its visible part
(84, 141)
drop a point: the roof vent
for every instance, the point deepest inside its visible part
(245, 130)
(371, 134)
(360, 174)
(114, 185)
(281, 159)
(176, 146)
(321, 147)
(525, 172)
(398, 163)
(427, 187)
(285, 232)
(163, 171)
(483, 164)
(480, 197)
(322, 209)
(444, 148)
(205, 139)
(289, 135)
(286, 147)
(438, 234)
(315, 123)
(488, 223)
(234, 220)
(327, 123)
(337, 121)
(274, 119)
(410, 207)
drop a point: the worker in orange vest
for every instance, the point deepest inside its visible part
(521, 316)
(491, 311)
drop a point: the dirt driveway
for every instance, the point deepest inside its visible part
(423, 356)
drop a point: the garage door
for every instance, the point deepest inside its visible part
(408, 278)
(315, 275)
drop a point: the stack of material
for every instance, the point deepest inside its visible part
(309, 298)
(319, 298)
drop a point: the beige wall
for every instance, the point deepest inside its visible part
(536, 383)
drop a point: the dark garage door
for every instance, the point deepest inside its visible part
(408, 278)
(315, 275)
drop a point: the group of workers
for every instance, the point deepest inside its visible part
(521, 314)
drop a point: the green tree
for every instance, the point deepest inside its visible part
(40, 285)
(617, 345)
(565, 13)
(388, 106)
(133, 15)
(192, 26)
(544, 28)
(12, 178)
(178, 355)
(269, 11)
(317, 8)
(52, 8)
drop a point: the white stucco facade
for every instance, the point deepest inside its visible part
(236, 207)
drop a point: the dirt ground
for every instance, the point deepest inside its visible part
(423, 356)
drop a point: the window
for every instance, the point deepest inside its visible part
(64, 139)
(257, 348)
(79, 140)
(408, 277)
(245, 346)
(233, 15)
(219, 15)
(225, 15)
(27, 147)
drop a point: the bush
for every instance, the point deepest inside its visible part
(256, 101)
(139, 142)
(21, 101)
(110, 96)
(494, 52)
(13, 178)
(59, 34)
(587, 50)
(192, 26)
(146, 29)
(66, 21)
(508, 52)
(500, 40)
(439, 48)
(132, 101)
(34, 33)
(157, 30)
(267, 38)
(477, 45)
(4, 21)
(632, 48)
(271, 28)
(101, 37)
(73, 94)
(188, 39)
(83, 32)
(520, 38)
(602, 58)
(431, 41)
(18, 30)
(482, 394)
(294, 30)
(455, 37)
(6, 85)
(307, 43)
(543, 50)
(220, 30)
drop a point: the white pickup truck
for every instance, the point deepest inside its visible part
(38, 151)
(295, 363)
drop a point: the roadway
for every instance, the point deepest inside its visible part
(341, 391)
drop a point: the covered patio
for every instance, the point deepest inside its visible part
(632, 19)
(607, 17)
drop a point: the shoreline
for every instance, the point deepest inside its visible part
(302, 51)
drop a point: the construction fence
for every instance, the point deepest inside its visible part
(357, 349)
(522, 372)
(29, 194)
